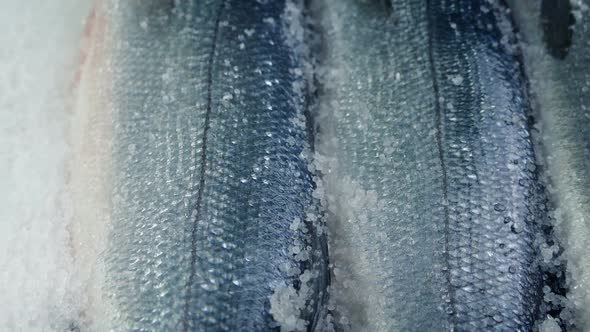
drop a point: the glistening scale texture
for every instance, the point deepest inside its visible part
(209, 164)
(428, 106)
(561, 85)
(385, 186)
(494, 202)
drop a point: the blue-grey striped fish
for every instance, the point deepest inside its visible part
(436, 209)
(214, 226)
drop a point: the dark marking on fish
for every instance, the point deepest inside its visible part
(387, 6)
(557, 20)
(73, 327)
(203, 162)
(439, 141)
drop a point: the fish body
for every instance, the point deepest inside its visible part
(212, 201)
(495, 202)
(430, 171)
(560, 84)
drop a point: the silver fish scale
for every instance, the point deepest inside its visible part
(458, 200)
(209, 167)
(379, 97)
(159, 106)
(493, 199)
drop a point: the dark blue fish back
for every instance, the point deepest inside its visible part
(495, 204)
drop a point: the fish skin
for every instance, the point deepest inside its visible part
(560, 88)
(209, 166)
(495, 203)
(382, 173)
(440, 83)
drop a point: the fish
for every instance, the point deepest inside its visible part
(559, 87)
(435, 203)
(212, 219)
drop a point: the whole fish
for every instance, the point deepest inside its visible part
(213, 223)
(435, 206)
(557, 53)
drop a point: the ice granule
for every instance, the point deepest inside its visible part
(550, 325)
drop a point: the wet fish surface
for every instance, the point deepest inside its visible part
(561, 85)
(495, 203)
(212, 209)
(435, 204)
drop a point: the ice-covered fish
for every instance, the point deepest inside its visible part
(557, 54)
(430, 173)
(208, 196)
